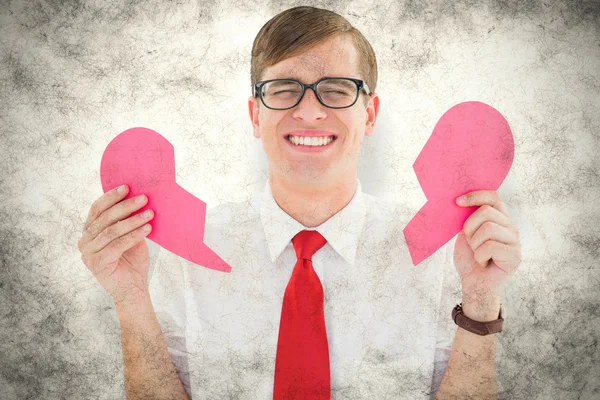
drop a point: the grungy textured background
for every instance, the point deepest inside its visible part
(73, 74)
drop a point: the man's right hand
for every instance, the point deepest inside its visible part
(112, 245)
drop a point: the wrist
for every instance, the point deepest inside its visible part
(481, 309)
(131, 301)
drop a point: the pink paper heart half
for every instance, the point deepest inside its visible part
(145, 161)
(471, 148)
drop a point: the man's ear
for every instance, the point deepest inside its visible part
(372, 112)
(253, 109)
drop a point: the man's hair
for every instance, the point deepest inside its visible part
(296, 30)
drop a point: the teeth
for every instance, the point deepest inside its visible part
(310, 141)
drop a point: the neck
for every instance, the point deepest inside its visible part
(314, 203)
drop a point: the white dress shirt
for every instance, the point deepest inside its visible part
(388, 323)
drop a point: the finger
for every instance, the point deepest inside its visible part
(505, 257)
(490, 230)
(114, 214)
(481, 197)
(118, 230)
(103, 203)
(480, 216)
(119, 245)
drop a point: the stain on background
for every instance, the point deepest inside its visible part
(73, 74)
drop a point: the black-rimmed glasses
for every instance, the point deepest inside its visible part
(332, 92)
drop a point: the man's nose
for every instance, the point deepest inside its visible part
(309, 106)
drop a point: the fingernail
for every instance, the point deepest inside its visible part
(461, 199)
(140, 199)
(121, 189)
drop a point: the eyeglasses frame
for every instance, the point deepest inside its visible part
(360, 84)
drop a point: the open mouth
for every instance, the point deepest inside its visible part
(316, 144)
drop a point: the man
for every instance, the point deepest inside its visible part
(387, 330)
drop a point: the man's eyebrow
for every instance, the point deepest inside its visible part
(293, 76)
(286, 76)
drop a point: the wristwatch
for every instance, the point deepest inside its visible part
(480, 328)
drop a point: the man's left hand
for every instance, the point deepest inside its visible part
(487, 249)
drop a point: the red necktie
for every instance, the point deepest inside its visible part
(302, 362)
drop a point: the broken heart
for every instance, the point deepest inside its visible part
(145, 161)
(471, 148)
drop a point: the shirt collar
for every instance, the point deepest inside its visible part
(341, 231)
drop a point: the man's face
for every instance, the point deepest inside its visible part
(336, 57)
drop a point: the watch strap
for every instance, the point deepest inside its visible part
(477, 327)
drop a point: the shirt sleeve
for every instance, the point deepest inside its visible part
(446, 328)
(166, 285)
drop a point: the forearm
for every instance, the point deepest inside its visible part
(471, 369)
(149, 372)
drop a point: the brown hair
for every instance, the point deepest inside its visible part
(296, 30)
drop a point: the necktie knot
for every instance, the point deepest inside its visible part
(307, 242)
